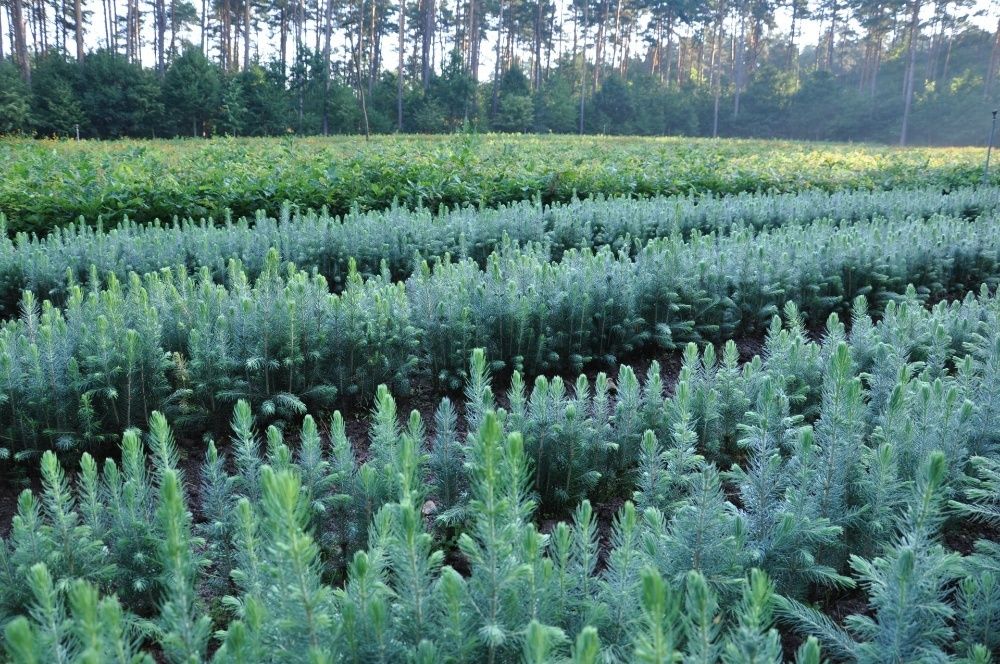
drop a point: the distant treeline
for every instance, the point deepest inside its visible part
(681, 67)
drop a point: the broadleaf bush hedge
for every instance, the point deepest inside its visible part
(48, 184)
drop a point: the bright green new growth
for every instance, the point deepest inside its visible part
(93, 631)
(185, 628)
(430, 547)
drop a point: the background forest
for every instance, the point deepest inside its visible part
(881, 70)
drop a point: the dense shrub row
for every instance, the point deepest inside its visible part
(73, 377)
(758, 497)
(49, 184)
(396, 240)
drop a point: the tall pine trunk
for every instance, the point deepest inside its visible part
(225, 36)
(876, 65)
(113, 22)
(375, 48)
(106, 9)
(173, 28)
(536, 54)
(475, 39)
(617, 39)
(739, 64)
(937, 38)
(20, 39)
(399, 68)
(947, 58)
(426, 41)
(994, 67)
(246, 33)
(911, 65)
(161, 34)
(78, 20)
(357, 66)
(793, 56)
(599, 43)
(327, 31)
(551, 32)
(832, 39)
(42, 21)
(583, 62)
(680, 60)
(669, 47)
(130, 31)
(626, 53)
(495, 96)
(299, 22)
(283, 35)
(717, 70)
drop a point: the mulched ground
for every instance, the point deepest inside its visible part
(10, 488)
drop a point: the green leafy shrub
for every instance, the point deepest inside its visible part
(146, 181)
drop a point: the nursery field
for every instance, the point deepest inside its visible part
(602, 401)
(51, 183)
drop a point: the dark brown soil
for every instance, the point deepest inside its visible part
(962, 537)
(11, 486)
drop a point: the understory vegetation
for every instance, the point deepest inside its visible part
(753, 497)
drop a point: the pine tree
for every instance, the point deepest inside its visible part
(217, 527)
(574, 554)
(478, 393)
(413, 562)
(94, 629)
(809, 652)
(907, 587)
(702, 621)
(130, 525)
(658, 633)
(455, 622)
(839, 435)
(323, 483)
(620, 583)
(364, 605)
(977, 611)
(542, 643)
(72, 549)
(247, 455)
(781, 508)
(285, 607)
(754, 639)
(587, 648)
(347, 523)
(184, 628)
(705, 534)
(499, 506)
(449, 485)
(986, 418)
